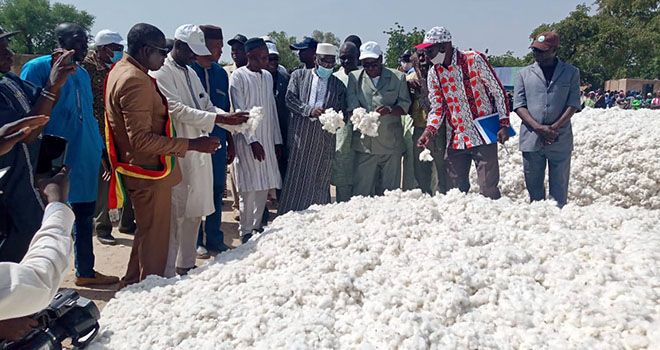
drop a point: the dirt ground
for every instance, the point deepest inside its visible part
(112, 260)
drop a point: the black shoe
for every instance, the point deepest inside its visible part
(246, 237)
(106, 239)
(181, 271)
(127, 230)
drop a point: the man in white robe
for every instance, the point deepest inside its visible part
(193, 115)
(256, 160)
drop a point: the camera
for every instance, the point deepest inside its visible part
(68, 316)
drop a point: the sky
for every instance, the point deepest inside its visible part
(497, 25)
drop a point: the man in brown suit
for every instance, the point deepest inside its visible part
(137, 116)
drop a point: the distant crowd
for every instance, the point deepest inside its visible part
(624, 100)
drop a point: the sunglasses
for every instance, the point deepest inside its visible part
(161, 50)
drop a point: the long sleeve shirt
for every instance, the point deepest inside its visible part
(28, 287)
(465, 90)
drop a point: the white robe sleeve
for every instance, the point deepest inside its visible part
(237, 95)
(28, 287)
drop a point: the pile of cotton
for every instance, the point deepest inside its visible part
(366, 122)
(615, 159)
(254, 119)
(332, 120)
(412, 271)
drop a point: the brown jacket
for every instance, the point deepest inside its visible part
(137, 115)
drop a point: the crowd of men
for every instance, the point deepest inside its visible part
(155, 125)
(624, 100)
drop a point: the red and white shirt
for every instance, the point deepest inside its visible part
(465, 90)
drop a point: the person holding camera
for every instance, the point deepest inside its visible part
(21, 207)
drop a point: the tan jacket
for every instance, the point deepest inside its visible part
(137, 114)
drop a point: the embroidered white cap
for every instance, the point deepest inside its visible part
(194, 37)
(435, 35)
(107, 37)
(327, 49)
(370, 49)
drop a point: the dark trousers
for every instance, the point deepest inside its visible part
(82, 238)
(212, 227)
(458, 162)
(102, 223)
(559, 170)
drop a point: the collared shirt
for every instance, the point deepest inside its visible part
(547, 103)
(465, 90)
(73, 118)
(28, 287)
(318, 91)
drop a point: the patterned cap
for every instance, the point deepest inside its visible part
(436, 35)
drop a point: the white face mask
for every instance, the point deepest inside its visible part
(439, 58)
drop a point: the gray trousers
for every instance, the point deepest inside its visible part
(102, 224)
(559, 170)
(424, 170)
(488, 169)
(375, 173)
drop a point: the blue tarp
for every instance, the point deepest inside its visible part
(507, 75)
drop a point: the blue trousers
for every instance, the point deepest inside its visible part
(82, 238)
(559, 170)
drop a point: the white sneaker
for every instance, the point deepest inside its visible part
(202, 253)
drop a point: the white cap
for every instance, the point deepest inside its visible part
(194, 37)
(107, 37)
(267, 39)
(370, 49)
(272, 49)
(327, 49)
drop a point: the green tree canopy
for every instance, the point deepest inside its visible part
(288, 58)
(325, 37)
(399, 41)
(509, 60)
(36, 20)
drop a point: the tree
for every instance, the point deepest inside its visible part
(399, 41)
(509, 60)
(325, 37)
(288, 58)
(36, 20)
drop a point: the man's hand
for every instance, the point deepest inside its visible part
(547, 132)
(56, 189)
(279, 152)
(231, 150)
(232, 118)
(62, 67)
(258, 151)
(15, 132)
(423, 140)
(316, 112)
(503, 134)
(106, 170)
(16, 328)
(204, 144)
(384, 110)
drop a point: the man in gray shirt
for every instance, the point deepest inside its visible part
(546, 95)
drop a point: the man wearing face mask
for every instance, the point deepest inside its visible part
(108, 49)
(193, 114)
(377, 165)
(462, 88)
(72, 118)
(310, 93)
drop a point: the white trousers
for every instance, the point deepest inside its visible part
(183, 244)
(251, 206)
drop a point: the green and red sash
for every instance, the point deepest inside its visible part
(117, 193)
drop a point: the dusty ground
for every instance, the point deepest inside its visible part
(112, 260)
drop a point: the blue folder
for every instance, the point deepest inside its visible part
(489, 125)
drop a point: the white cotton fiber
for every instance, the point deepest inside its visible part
(425, 156)
(254, 119)
(367, 123)
(411, 271)
(332, 120)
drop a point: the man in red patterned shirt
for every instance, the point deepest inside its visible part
(463, 88)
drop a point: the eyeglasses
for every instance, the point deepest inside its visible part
(161, 50)
(371, 65)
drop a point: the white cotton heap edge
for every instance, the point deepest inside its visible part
(412, 271)
(332, 120)
(254, 119)
(367, 123)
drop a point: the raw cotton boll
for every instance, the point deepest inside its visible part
(367, 123)
(425, 156)
(332, 120)
(254, 119)
(411, 271)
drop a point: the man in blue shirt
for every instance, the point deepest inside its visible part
(216, 83)
(73, 118)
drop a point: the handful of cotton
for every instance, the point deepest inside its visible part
(254, 119)
(367, 123)
(332, 120)
(425, 156)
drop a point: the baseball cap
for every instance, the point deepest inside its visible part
(239, 38)
(370, 49)
(194, 37)
(5, 34)
(272, 49)
(307, 43)
(107, 37)
(435, 35)
(546, 41)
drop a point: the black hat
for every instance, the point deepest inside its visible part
(405, 56)
(254, 43)
(239, 38)
(307, 43)
(5, 34)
